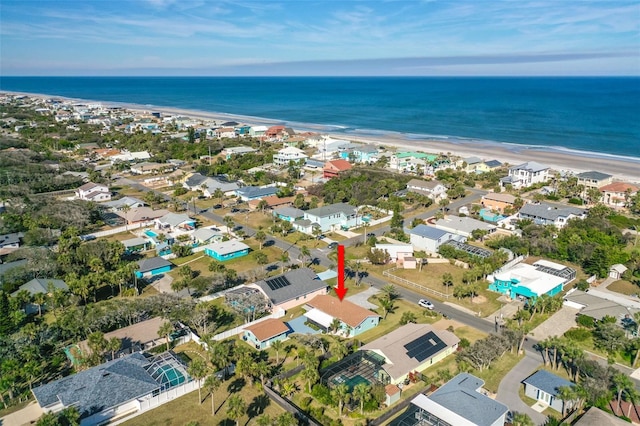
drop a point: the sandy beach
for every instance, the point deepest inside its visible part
(621, 168)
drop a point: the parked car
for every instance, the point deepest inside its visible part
(87, 237)
(333, 245)
(425, 304)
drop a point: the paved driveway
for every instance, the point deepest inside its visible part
(361, 298)
(28, 415)
(557, 324)
(510, 384)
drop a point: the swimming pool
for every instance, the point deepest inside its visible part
(170, 376)
(489, 216)
(150, 233)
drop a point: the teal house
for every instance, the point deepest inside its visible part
(153, 266)
(354, 320)
(226, 250)
(262, 334)
(532, 281)
(288, 213)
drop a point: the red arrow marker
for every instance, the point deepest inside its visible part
(340, 290)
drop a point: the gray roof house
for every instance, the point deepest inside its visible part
(293, 288)
(594, 179)
(175, 220)
(430, 238)
(458, 402)
(227, 188)
(551, 214)
(103, 392)
(11, 240)
(41, 285)
(543, 386)
(326, 218)
(591, 305)
(120, 203)
(463, 226)
(194, 182)
(153, 264)
(526, 174)
(248, 193)
(6, 267)
(206, 235)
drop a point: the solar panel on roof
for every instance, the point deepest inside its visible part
(424, 347)
(277, 283)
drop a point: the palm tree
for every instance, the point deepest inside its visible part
(236, 408)
(339, 349)
(277, 346)
(335, 325)
(341, 394)
(621, 382)
(261, 259)
(229, 223)
(220, 356)
(126, 209)
(113, 345)
(39, 299)
(390, 291)
(305, 254)
(286, 419)
(264, 420)
(311, 375)
(165, 330)
(284, 260)
(387, 304)
(567, 394)
(260, 237)
(198, 370)
(521, 419)
(362, 392)
(211, 384)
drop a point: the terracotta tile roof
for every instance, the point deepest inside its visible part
(272, 201)
(619, 187)
(340, 165)
(347, 312)
(391, 389)
(268, 328)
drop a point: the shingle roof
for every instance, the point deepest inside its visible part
(41, 285)
(302, 281)
(332, 209)
(133, 242)
(204, 234)
(4, 267)
(463, 224)
(549, 211)
(531, 166)
(13, 238)
(289, 211)
(257, 192)
(146, 265)
(102, 387)
(428, 232)
(493, 163)
(175, 219)
(228, 247)
(460, 395)
(124, 201)
(593, 175)
(195, 179)
(347, 312)
(500, 196)
(546, 382)
(595, 416)
(268, 328)
(426, 185)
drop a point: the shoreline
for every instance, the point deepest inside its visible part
(556, 157)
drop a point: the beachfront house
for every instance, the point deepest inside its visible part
(363, 154)
(226, 250)
(594, 179)
(333, 168)
(551, 214)
(257, 131)
(408, 161)
(431, 188)
(261, 335)
(525, 175)
(617, 194)
(283, 157)
(327, 218)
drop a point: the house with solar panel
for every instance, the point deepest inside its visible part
(226, 250)
(293, 288)
(460, 402)
(531, 281)
(354, 320)
(119, 388)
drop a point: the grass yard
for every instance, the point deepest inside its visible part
(186, 409)
(624, 287)
(493, 375)
(469, 333)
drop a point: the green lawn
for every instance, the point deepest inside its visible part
(500, 367)
(624, 287)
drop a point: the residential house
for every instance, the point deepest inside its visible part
(226, 250)
(492, 164)
(459, 402)
(194, 182)
(595, 416)
(275, 132)
(616, 271)
(429, 238)
(598, 305)
(408, 161)
(116, 389)
(397, 252)
(363, 154)
(293, 288)
(93, 192)
(544, 387)
(531, 281)
(242, 130)
(123, 204)
(271, 202)
(152, 266)
(257, 131)
(328, 218)
(432, 189)
(412, 348)
(137, 244)
(498, 201)
(286, 155)
(333, 168)
(8, 266)
(354, 319)
(525, 175)
(551, 214)
(616, 194)
(41, 285)
(472, 164)
(463, 226)
(288, 213)
(237, 150)
(594, 179)
(139, 215)
(210, 187)
(126, 156)
(224, 132)
(10, 242)
(248, 193)
(206, 236)
(147, 168)
(175, 221)
(261, 335)
(134, 338)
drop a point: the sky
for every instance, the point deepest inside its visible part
(328, 37)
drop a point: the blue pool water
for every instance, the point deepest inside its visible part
(487, 215)
(150, 233)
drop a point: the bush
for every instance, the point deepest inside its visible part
(576, 201)
(586, 321)
(578, 334)
(322, 394)
(582, 285)
(305, 403)
(464, 343)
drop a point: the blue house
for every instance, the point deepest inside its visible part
(354, 319)
(543, 387)
(226, 250)
(153, 266)
(328, 218)
(290, 214)
(261, 335)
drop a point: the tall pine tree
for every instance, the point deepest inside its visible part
(6, 327)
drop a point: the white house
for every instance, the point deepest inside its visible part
(526, 174)
(432, 189)
(93, 192)
(290, 153)
(463, 226)
(397, 252)
(326, 218)
(615, 194)
(429, 238)
(550, 214)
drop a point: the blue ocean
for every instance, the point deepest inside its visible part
(584, 114)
